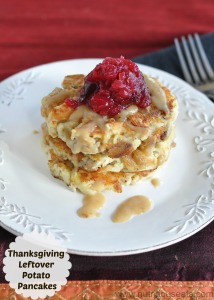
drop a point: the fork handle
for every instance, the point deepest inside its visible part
(205, 87)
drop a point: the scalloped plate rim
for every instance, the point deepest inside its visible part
(124, 252)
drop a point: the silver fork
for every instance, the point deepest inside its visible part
(195, 64)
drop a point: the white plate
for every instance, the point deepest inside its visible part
(31, 199)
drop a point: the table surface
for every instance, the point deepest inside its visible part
(38, 32)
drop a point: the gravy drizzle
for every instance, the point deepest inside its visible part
(158, 95)
(133, 206)
(91, 206)
(155, 182)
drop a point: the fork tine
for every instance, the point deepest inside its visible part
(204, 58)
(197, 59)
(190, 60)
(184, 68)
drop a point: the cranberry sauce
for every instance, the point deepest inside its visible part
(113, 85)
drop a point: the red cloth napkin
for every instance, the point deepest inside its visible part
(36, 32)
